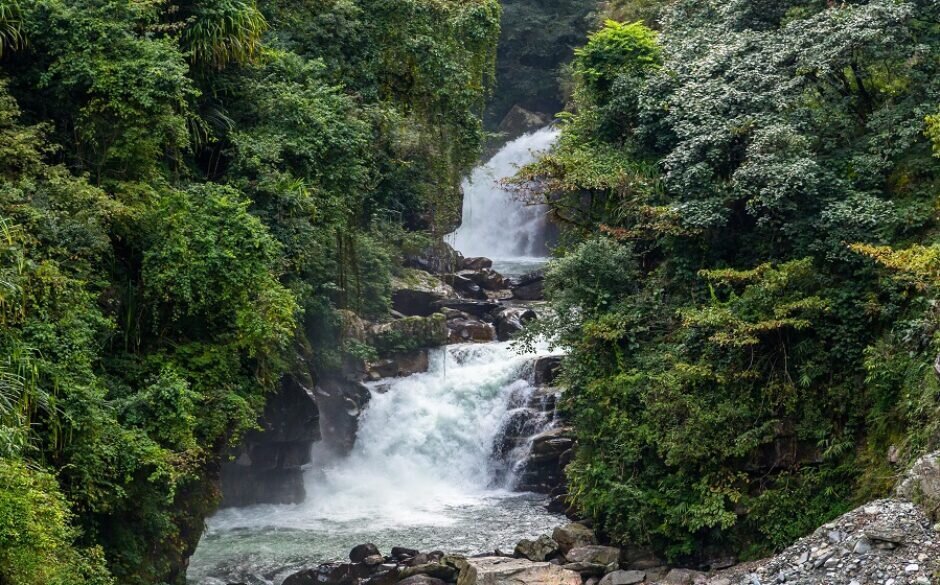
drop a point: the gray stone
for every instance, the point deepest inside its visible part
(623, 578)
(683, 577)
(540, 549)
(573, 535)
(921, 485)
(361, 552)
(600, 555)
(510, 571)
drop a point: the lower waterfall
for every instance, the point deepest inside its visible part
(428, 471)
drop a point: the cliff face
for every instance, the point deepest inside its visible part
(537, 38)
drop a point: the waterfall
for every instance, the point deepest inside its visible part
(495, 223)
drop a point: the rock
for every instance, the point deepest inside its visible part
(543, 470)
(485, 278)
(921, 485)
(528, 287)
(422, 580)
(414, 292)
(545, 370)
(478, 309)
(466, 288)
(438, 258)
(401, 553)
(684, 577)
(519, 121)
(540, 549)
(413, 332)
(623, 578)
(470, 330)
(593, 553)
(340, 401)
(432, 569)
(509, 571)
(511, 320)
(573, 535)
(476, 263)
(360, 552)
(400, 364)
(586, 569)
(373, 560)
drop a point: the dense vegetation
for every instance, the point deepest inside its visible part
(190, 191)
(749, 275)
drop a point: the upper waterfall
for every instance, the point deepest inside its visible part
(495, 223)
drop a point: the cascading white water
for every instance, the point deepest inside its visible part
(496, 224)
(435, 454)
(422, 474)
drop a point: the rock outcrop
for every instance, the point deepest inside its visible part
(921, 485)
(415, 292)
(510, 571)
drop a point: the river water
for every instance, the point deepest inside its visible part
(422, 473)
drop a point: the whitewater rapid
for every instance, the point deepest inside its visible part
(422, 474)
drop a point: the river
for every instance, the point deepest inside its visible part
(422, 473)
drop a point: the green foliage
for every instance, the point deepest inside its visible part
(191, 194)
(36, 535)
(738, 366)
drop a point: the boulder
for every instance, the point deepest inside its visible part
(421, 580)
(545, 369)
(476, 263)
(541, 549)
(586, 569)
(529, 287)
(470, 330)
(431, 569)
(437, 258)
(573, 535)
(921, 485)
(340, 401)
(623, 578)
(510, 571)
(361, 552)
(338, 574)
(511, 320)
(684, 577)
(519, 121)
(466, 288)
(543, 470)
(402, 553)
(414, 292)
(485, 278)
(478, 309)
(400, 364)
(593, 553)
(410, 333)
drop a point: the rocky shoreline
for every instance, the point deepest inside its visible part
(886, 542)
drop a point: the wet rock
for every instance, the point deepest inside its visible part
(466, 288)
(519, 121)
(623, 578)
(543, 470)
(341, 402)
(540, 549)
(422, 580)
(511, 320)
(593, 553)
(360, 552)
(510, 571)
(401, 553)
(476, 263)
(478, 309)
(573, 535)
(418, 332)
(546, 369)
(414, 292)
(470, 330)
(529, 287)
(921, 485)
(485, 278)
(400, 364)
(431, 569)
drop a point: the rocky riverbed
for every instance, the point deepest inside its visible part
(886, 542)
